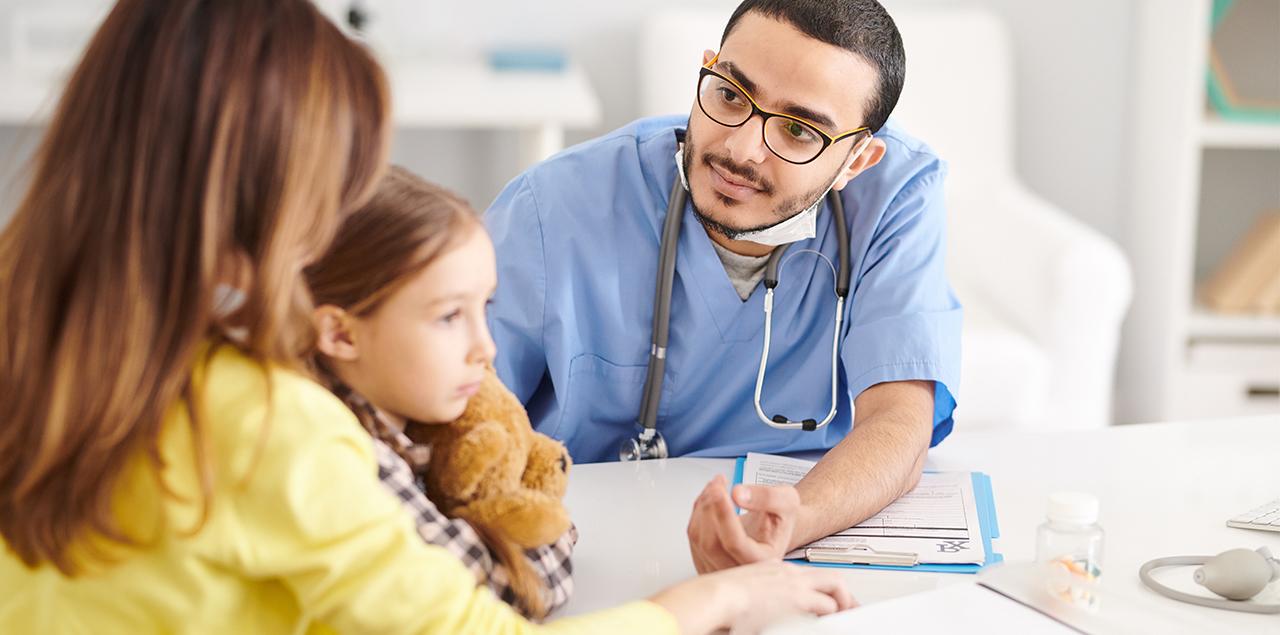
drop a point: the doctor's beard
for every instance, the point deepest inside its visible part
(782, 212)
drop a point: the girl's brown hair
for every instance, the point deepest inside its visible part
(406, 226)
(195, 140)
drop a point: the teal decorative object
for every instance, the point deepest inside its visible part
(1236, 97)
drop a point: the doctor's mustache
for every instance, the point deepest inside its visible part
(744, 172)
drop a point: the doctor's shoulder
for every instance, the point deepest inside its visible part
(907, 156)
(596, 174)
(909, 166)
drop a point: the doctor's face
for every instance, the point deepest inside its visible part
(737, 184)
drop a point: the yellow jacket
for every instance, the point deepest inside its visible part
(300, 537)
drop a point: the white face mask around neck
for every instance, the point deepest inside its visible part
(802, 226)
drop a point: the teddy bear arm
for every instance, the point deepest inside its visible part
(472, 458)
(548, 467)
(529, 519)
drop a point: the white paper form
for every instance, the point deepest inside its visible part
(938, 520)
(956, 609)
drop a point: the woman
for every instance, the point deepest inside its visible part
(164, 467)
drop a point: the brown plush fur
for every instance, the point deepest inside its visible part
(490, 468)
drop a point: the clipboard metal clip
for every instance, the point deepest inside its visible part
(860, 554)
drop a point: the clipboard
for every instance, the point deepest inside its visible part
(984, 500)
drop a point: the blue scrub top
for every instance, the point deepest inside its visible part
(577, 240)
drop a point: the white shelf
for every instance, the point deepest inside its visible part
(1216, 132)
(427, 94)
(1206, 324)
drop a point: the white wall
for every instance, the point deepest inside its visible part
(1073, 64)
(1072, 68)
(1072, 71)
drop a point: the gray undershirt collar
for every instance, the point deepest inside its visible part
(745, 272)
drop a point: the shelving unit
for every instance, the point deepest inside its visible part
(1230, 135)
(1207, 325)
(1198, 182)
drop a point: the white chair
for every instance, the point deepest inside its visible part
(1044, 294)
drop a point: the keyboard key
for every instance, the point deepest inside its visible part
(1265, 516)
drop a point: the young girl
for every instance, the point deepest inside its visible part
(156, 476)
(395, 297)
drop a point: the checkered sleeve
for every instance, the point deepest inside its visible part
(551, 562)
(554, 563)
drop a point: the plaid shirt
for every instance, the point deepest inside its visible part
(551, 562)
(454, 534)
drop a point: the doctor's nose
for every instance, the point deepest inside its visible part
(746, 142)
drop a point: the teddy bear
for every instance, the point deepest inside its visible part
(491, 468)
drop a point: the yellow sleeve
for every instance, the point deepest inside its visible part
(314, 516)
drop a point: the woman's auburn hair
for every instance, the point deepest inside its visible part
(197, 142)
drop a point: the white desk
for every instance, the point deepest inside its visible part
(426, 93)
(1166, 489)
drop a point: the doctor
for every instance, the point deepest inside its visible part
(793, 105)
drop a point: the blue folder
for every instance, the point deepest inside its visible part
(984, 500)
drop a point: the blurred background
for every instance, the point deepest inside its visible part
(1115, 200)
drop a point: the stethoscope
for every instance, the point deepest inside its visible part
(650, 444)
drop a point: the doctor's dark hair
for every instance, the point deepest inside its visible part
(862, 27)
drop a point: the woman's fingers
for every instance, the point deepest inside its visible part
(817, 603)
(833, 585)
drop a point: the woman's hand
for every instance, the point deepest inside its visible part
(746, 599)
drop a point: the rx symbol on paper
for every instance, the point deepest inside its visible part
(953, 546)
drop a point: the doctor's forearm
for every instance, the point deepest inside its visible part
(879, 461)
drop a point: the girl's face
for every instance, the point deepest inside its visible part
(422, 354)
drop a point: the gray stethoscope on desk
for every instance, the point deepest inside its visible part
(649, 444)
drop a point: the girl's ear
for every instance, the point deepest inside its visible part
(335, 337)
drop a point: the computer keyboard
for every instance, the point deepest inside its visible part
(1264, 517)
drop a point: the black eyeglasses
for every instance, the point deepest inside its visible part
(791, 139)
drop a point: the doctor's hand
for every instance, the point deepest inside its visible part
(719, 538)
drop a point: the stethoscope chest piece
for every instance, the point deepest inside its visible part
(644, 446)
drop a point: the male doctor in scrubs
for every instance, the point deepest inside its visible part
(794, 104)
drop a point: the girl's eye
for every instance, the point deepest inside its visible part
(451, 317)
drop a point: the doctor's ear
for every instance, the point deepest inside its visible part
(335, 335)
(707, 56)
(868, 157)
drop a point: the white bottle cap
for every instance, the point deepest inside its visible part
(1076, 508)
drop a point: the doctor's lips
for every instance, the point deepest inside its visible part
(733, 181)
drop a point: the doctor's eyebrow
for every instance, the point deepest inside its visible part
(788, 107)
